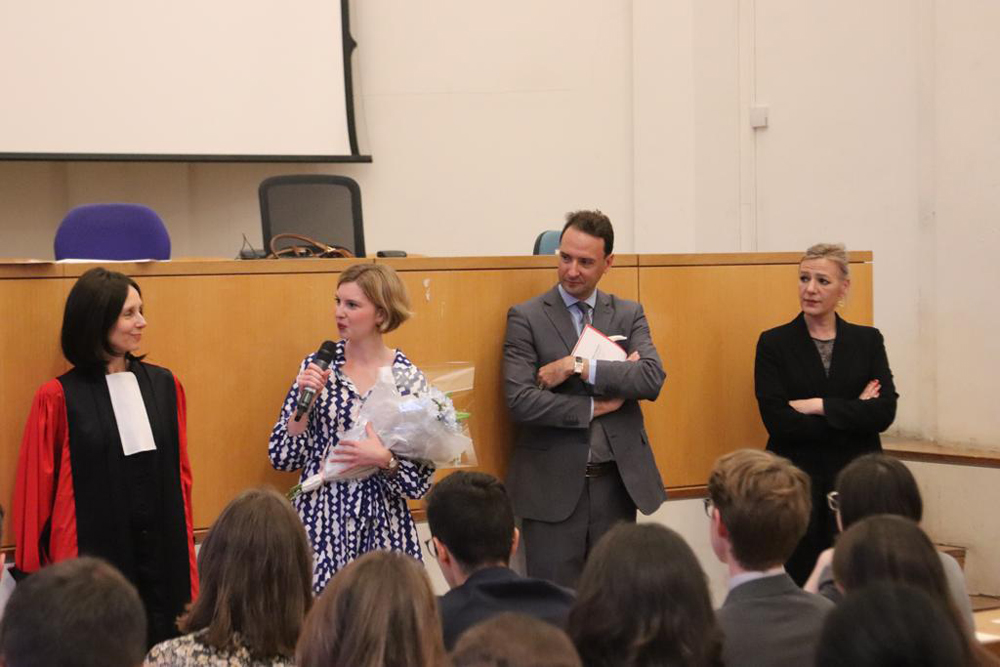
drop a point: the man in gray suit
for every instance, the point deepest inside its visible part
(581, 460)
(759, 504)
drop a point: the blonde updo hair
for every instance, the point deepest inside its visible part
(835, 252)
(382, 286)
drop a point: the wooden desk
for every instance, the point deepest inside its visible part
(234, 333)
(988, 629)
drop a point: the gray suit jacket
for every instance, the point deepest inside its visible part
(546, 474)
(771, 621)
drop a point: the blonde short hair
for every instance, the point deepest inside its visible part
(384, 289)
(835, 252)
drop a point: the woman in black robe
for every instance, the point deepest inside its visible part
(103, 468)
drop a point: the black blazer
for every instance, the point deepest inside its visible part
(494, 590)
(789, 367)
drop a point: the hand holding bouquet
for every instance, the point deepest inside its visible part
(421, 425)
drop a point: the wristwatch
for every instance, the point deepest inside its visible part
(393, 466)
(577, 365)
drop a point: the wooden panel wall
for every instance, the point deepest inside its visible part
(705, 322)
(235, 332)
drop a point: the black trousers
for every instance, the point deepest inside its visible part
(821, 531)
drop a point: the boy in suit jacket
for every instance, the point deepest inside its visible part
(473, 539)
(759, 506)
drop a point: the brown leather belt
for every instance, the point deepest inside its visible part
(601, 469)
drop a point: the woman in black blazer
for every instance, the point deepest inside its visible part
(824, 390)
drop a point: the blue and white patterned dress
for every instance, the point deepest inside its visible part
(346, 519)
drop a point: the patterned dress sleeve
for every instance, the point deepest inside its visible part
(287, 452)
(413, 479)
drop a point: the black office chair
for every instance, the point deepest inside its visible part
(322, 207)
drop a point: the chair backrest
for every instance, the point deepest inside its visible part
(120, 232)
(322, 207)
(547, 242)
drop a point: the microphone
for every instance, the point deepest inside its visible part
(322, 359)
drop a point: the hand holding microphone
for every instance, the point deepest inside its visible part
(313, 378)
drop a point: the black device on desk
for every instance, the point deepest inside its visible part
(391, 253)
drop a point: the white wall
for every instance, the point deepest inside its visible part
(958, 505)
(485, 123)
(488, 122)
(881, 134)
(966, 222)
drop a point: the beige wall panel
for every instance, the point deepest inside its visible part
(235, 342)
(462, 316)
(705, 321)
(29, 356)
(235, 333)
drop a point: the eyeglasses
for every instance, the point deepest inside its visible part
(709, 506)
(431, 548)
(833, 501)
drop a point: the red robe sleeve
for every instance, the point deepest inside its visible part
(186, 483)
(43, 489)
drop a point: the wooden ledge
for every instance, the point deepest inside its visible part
(912, 449)
(686, 492)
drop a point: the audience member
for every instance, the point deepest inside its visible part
(878, 484)
(473, 539)
(760, 506)
(77, 613)
(892, 548)
(379, 611)
(642, 601)
(514, 640)
(255, 568)
(890, 624)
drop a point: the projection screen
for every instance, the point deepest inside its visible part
(176, 79)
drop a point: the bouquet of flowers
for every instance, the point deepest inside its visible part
(421, 425)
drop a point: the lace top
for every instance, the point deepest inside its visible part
(188, 651)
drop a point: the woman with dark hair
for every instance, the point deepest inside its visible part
(892, 548)
(878, 484)
(642, 601)
(348, 517)
(890, 624)
(379, 611)
(103, 468)
(256, 587)
(824, 390)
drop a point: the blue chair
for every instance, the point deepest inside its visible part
(121, 232)
(547, 242)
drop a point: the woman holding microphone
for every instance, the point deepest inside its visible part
(824, 390)
(349, 517)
